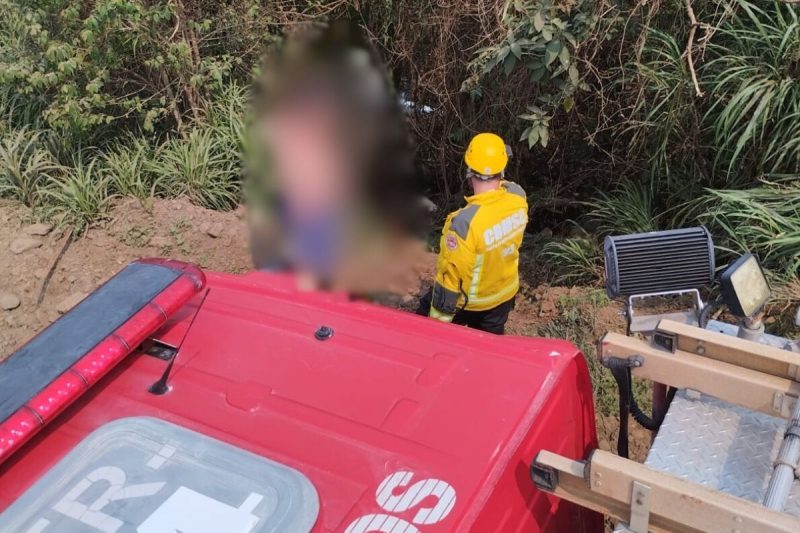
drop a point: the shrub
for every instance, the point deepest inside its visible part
(121, 62)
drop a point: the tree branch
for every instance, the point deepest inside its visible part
(690, 45)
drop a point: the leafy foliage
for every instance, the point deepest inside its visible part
(112, 62)
(542, 36)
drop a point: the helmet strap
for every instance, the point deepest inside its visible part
(483, 177)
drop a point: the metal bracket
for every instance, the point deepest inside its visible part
(694, 395)
(647, 324)
(544, 477)
(664, 340)
(160, 349)
(640, 508)
(783, 404)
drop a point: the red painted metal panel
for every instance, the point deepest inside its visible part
(392, 403)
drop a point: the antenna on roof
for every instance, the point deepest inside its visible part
(161, 386)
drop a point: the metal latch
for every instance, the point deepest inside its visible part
(544, 477)
(160, 350)
(664, 340)
(640, 510)
(783, 404)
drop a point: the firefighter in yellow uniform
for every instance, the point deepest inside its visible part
(477, 272)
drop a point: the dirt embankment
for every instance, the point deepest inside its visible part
(215, 240)
(171, 228)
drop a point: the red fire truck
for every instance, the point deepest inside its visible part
(173, 399)
(176, 400)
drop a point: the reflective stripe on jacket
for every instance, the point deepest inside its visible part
(478, 264)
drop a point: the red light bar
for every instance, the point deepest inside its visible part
(23, 424)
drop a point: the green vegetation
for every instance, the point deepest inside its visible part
(576, 323)
(79, 196)
(24, 166)
(624, 116)
(577, 260)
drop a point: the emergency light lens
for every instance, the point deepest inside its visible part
(97, 362)
(744, 287)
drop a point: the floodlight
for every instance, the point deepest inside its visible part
(744, 287)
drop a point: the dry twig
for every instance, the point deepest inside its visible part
(53, 265)
(690, 45)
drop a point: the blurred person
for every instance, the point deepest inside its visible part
(477, 271)
(332, 193)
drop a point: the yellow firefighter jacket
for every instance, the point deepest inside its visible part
(478, 264)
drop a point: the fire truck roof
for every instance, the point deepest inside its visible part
(344, 403)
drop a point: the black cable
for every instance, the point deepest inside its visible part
(705, 314)
(621, 370)
(622, 439)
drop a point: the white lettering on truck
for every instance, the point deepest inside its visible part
(92, 514)
(387, 497)
(184, 511)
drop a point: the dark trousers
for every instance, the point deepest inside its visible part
(492, 320)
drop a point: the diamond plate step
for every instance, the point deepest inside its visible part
(721, 446)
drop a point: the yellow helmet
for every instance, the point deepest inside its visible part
(486, 154)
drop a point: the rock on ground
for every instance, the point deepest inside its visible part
(24, 244)
(70, 301)
(38, 229)
(215, 230)
(8, 301)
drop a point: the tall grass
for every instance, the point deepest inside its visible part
(747, 121)
(576, 261)
(629, 209)
(126, 166)
(80, 197)
(226, 116)
(200, 167)
(24, 166)
(662, 116)
(754, 91)
(764, 220)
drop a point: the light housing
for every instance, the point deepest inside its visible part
(745, 289)
(659, 262)
(40, 397)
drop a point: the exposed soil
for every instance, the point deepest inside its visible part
(215, 240)
(171, 228)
